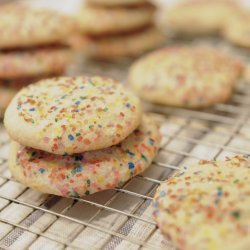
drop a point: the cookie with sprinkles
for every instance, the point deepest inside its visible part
(68, 115)
(190, 77)
(206, 206)
(24, 26)
(10, 87)
(18, 68)
(34, 62)
(126, 19)
(86, 173)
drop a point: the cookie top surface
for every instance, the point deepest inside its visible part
(237, 29)
(200, 3)
(185, 76)
(72, 115)
(24, 26)
(114, 20)
(115, 3)
(29, 63)
(89, 172)
(246, 75)
(206, 206)
(10, 87)
(199, 17)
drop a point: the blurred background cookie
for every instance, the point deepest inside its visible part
(114, 3)
(34, 62)
(237, 29)
(197, 17)
(191, 77)
(97, 20)
(246, 74)
(125, 45)
(22, 26)
(31, 46)
(110, 32)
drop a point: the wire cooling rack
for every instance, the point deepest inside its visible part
(121, 218)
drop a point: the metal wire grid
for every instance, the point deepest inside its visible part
(121, 218)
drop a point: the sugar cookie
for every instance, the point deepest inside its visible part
(89, 172)
(98, 20)
(198, 17)
(10, 87)
(246, 74)
(68, 115)
(114, 3)
(191, 77)
(237, 29)
(206, 206)
(34, 62)
(24, 26)
(127, 45)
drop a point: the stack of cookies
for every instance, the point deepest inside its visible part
(31, 47)
(121, 28)
(77, 136)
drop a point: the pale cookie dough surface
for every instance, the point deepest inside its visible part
(237, 29)
(114, 3)
(206, 206)
(29, 63)
(98, 20)
(89, 172)
(190, 77)
(198, 17)
(72, 114)
(127, 45)
(246, 75)
(6, 95)
(23, 26)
